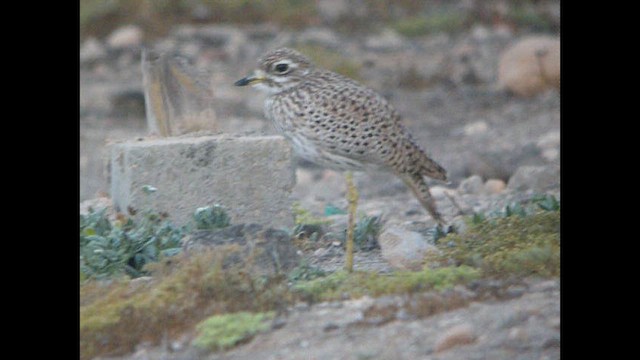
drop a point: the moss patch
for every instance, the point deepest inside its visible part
(221, 332)
(340, 285)
(509, 246)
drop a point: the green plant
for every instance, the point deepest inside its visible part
(524, 208)
(342, 284)
(547, 202)
(444, 20)
(365, 235)
(509, 246)
(211, 217)
(220, 332)
(307, 226)
(183, 290)
(108, 249)
(304, 271)
(526, 16)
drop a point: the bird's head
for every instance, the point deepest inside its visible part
(278, 70)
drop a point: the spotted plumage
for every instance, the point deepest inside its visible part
(338, 123)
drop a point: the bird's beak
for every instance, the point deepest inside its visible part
(256, 77)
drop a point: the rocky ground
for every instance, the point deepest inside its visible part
(497, 148)
(519, 321)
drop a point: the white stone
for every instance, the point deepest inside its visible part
(471, 185)
(404, 249)
(125, 37)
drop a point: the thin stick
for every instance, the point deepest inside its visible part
(352, 198)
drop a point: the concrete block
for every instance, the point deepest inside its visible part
(252, 177)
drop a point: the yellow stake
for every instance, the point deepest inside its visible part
(352, 198)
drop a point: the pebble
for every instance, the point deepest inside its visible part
(549, 145)
(530, 66)
(494, 186)
(404, 249)
(537, 178)
(278, 323)
(387, 40)
(125, 37)
(91, 50)
(554, 322)
(476, 128)
(458, 335)
(471, 185)
(330, 327)
(518, 333)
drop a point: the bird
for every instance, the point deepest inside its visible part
(338, 123)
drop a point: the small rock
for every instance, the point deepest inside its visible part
(549, 145)
(301, 306)
(320, 252)
(471, 185)
(456, 336)
(476, 128)
(480, 33)
(544, 286)
(91, 50)
(387, 40)
(330, 327)
(278, 323)
(404, 315)
(440, 192)
(514, 291)
(554, 322)
(494, 186)
(129, 36)
(403, 249)
(332, 10)
(518, 333)
(538, 178)
(530, 66)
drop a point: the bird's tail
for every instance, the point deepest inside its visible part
(420, 188)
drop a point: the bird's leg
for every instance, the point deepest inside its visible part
(352, 199)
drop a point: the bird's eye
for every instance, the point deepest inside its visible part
(281, 68)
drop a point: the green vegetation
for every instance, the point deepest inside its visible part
(513, 245)
(125, 247)
(303, 216)
(340, 285)
(445, 20)
(184, 290)
(365, 234)
(304, 271)
(541, 202)
(227, 305)
(211, 218)
(221, 332)
(523, 15)
(309, 229)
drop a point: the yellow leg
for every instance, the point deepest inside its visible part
(352, 198)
